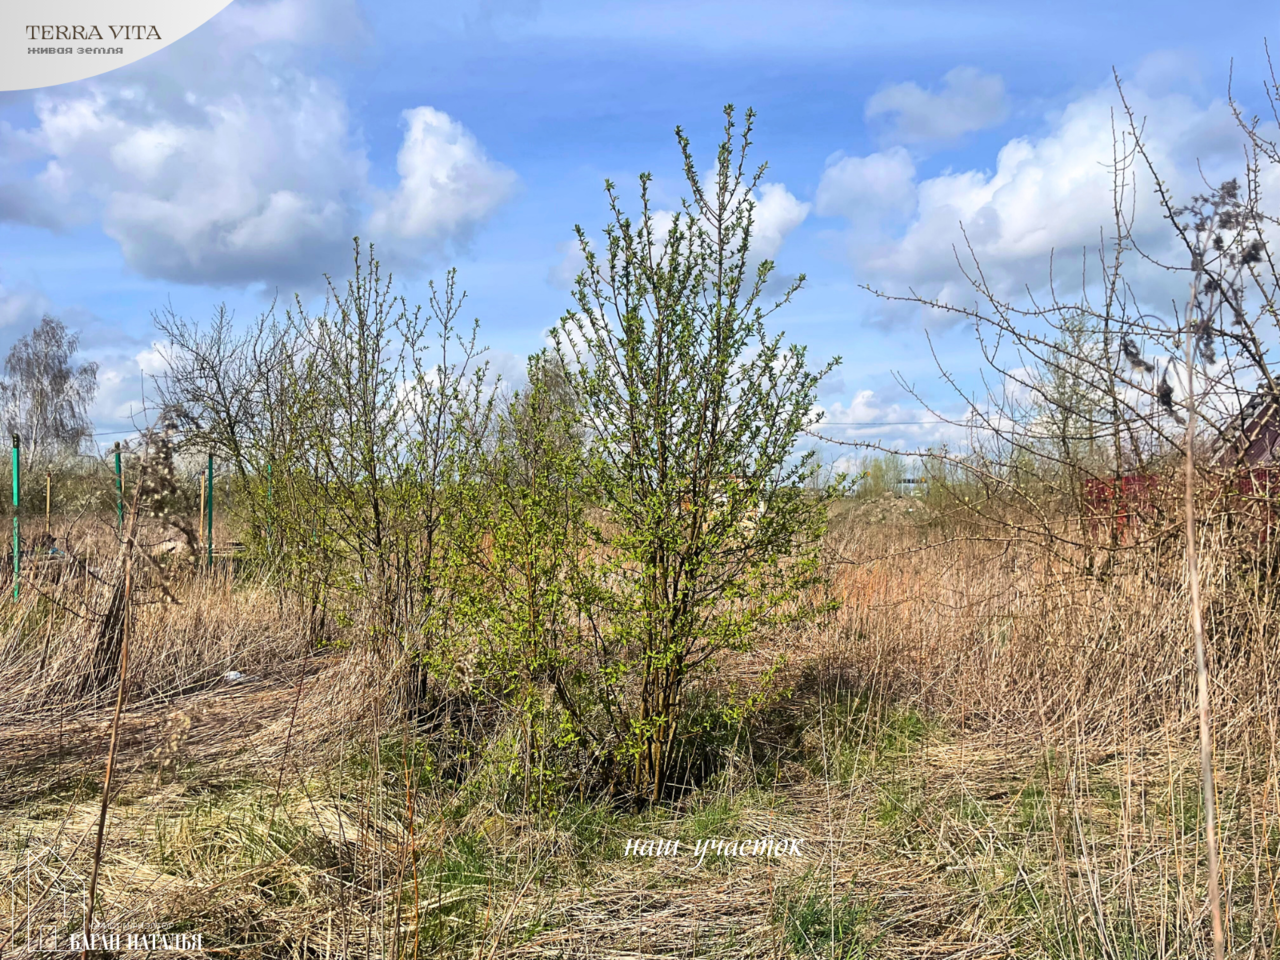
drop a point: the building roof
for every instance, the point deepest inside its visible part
(1253, 438)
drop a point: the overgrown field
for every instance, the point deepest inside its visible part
(976, 753)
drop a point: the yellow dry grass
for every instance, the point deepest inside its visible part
(984, 753)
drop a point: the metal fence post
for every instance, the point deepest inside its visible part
(119, 491)
(270, 517)
(17, 539)
(208, 515)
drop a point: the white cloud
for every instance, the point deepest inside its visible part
(125, 401)
(154, 360)
(969, 100)
(254, 185)
(1050, 194)
(862, 188)
(868, 418)
(571, 263)
(250, 173)
(119, 403)
(20, 309)
(777, 213)
(447, 184)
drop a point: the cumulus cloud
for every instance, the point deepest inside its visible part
(870, 418)
(969, 100)
(447, 183)
(20, 309)
(1047, 195)
(571, 263)
(251, 173)
(120, 403)
(258, 185)
(777, 213)
(860, 188)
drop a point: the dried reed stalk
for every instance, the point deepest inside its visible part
(1197, 630)
(127, 588)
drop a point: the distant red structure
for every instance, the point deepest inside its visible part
(1253, 442)
(1120, 503)
(1247, 457)
(1127, 504)
(1249, 454)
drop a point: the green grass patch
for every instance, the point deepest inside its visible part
(822, 926)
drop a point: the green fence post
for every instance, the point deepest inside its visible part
(270, 518)
(119, 491)
(17, 539)
(208, 515)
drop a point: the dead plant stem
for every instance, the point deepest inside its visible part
(1197, 629)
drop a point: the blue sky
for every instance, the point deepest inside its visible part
(239, 161)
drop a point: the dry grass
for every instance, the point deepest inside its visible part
(984, 755)
(1081, 691)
